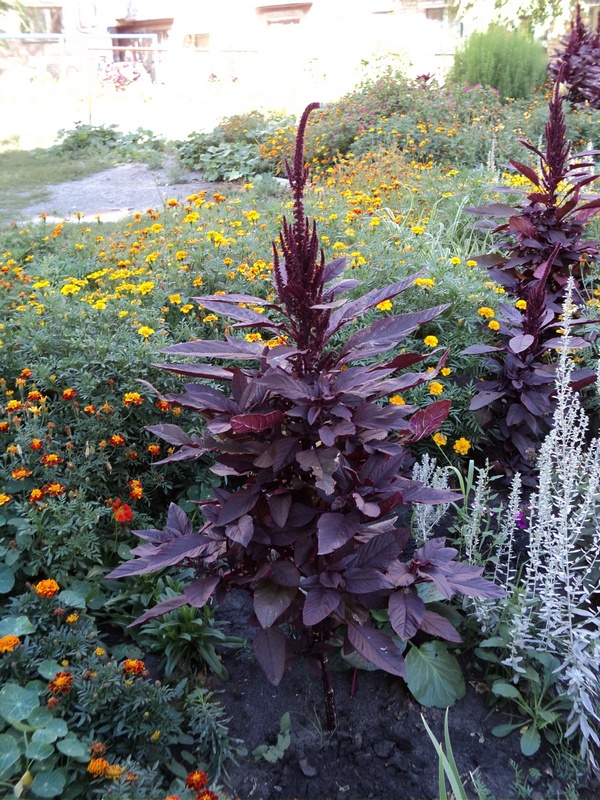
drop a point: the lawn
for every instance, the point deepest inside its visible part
(333, 427)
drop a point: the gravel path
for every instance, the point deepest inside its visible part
(115, 193)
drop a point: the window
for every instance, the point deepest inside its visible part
(47, 19)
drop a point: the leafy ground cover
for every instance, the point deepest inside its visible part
(92, 707)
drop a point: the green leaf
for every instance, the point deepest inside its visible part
(7, 579)
(39, 717)
(16, 703)
(503, 689)
(71, 599)
(494, 641)
(530, 741)
(58, 726)
(71, 746)
(39, 751)
(9, 756)
(49, 784)
(17, 626)
(49, 668)
(503, 730)
(434, 676)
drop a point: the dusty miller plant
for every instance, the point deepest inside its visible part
(552, 607)
(312, 459)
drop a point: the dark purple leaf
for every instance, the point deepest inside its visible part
(201, 397)
(173, 434)
(279, 454)
(523, 226)
(380, 551)
(255, 423)
(437, 625)
(377, 648)
(572, 343)
(213, 348)
(238, 504)
(199, 592)
(406, 610)
(269, 649)
(484, 399)
(428, 420)
(284, 573)
(466, 579)
(279, 506)
(245, 315)
(492, 210)
(241, 530)
(318, 604)
(322, 462)
(365, 580)
(170, 604)
(184, 453)
(479, 349)
(336, 529)
(528, 172)
(520, 343)
(178, 522)
(198, 370)
(271, 600)
(334, 269)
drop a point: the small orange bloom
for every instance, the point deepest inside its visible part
(136, 490)
(90, 409)
(20, 473)
(163, 405)
(34, 396)
(133, 666)
(133, 398)
(4, 426)
(47, 588)
(54, 489)
(50, 460)
(153, 449)
(26, 373)
(35, 495)
(196, 780)
(9, 643)
(97, 767)
(122, 512)
(36, 444)
(69, 394)
(117, 440)
(62, 683)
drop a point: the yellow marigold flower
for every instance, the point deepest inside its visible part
(186, 308)
(253, 337)
(133, 666)
(62, 683)
(9, 643)
(417, 229)
(397, 400)
(97, 767)
(385, 305)
(155, 736)
(435, 387)
(5, 499)
(153, 449)
(145, 331)
(210, 318)
(486, 312)
(455, 260)
(72, 619)
(175, 299)
(133, 398)
(113, 772)
(172, 202)
(494, 325)
(430, 341)
(521, 304)
(20, 473)
(440, 439)
(426, 283)
(462, 446)
(47, 588)
(100, 652)
(446, 371)
(471, 263)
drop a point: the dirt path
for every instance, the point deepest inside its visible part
(115, 193)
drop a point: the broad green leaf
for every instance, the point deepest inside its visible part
(9, 756)
(49, 784)
(434, 676)
(493, 641)
(7, 579)
(71, 599)
(16, 703)
(39, 717)
(58, 726)
(44, 735)
(49, 668)
(72, 747)
(39, 751)
(17, 626)
(503, 730)
(503, 689)
(530, 741)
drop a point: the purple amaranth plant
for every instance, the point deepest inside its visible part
(577, 63)
(312, 458)
(553, 214)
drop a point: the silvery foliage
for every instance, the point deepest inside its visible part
(552, 605)
(426, 517)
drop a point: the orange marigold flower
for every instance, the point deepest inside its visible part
(153, 449)
(113, 772)
(133, 398)
(97, 767)
(163, 405)
(133, 666)
(47, 588)
(4, 426)
(35, 396)
(69, 394)
(117, 440)
(54, 489)
(90, 409)
(107, 408)
(26, 373)
(173, 797)
(122, 512)
(14, 405)
(35, 495)
(196, 780)
(36, 444)
(62, 683)
(136, 490)
(131, 777)
(97, 749)
(5, 499)
(50, 460)
(9, 643)
(20, 473)
(207, 794)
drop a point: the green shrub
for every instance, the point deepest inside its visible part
(509, 61)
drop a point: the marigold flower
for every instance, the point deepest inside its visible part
(100, 652)
(133, 398)
(97, 748)
(417, 230)
(9, 643)
(155, 736)
(122, 512)
(5, 498)
(91, 409)
(196, 780)
(117, 440)
(34, 396)
(175, 299)
(253, 337)
(54, 489)
(26, 373)
(163, 405)
(50, 460)
(47, 588)
(397, 400)
(207, 794)
(173, 797)
(521, 304)
(145, 331)
(435, 387)
(471, 263)
(385, 305)
(20, 473)
(13, 405)
(462, 446)
(62, 683)
(153, 449)
(136, 489)
(72, 618)
(69, 394)
(4, 426)
(486, 312)
(133, 666)
(113, 772)
(430, 341)
(494, 325)
(35, 495)
(440, 439)
(36, 444)
(97, 767)
(455, 261)
(426, 283)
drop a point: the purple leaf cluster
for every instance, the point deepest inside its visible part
(312, 459)
(577, 62)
